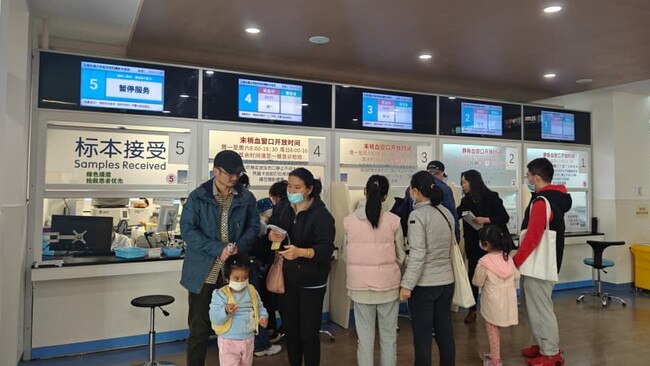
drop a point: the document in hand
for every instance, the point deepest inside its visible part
(469, 217)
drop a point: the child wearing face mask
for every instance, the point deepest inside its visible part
(495, 275)
(236, 311)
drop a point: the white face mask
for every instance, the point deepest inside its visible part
(238, 286)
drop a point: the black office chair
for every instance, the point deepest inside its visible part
(599, 264)
(152, 302)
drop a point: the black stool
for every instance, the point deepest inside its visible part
(599, 264)
(152, 302)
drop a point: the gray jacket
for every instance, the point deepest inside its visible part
(429, 238)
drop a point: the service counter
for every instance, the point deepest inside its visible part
(85, 305)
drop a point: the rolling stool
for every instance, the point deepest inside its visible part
(599, 264)
(152, 302)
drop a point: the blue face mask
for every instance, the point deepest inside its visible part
(530, 186)
(295, 198)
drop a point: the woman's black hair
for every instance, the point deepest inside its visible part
(477, 188)
(279, 189)
(236, 261)
(423, 182)
(498, 238)
(376, 189)
(309, 180)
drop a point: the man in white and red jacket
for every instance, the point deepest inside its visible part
(545, 348)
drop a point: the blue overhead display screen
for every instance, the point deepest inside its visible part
(270, 100)
(387, 111)
(481, 119)
(558, 126)
(122, 87)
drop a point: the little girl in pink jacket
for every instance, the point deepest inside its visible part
(495, 275)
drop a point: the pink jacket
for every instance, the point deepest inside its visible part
(496, 278)
(371, 261)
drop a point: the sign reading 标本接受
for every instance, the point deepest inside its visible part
(109, 158)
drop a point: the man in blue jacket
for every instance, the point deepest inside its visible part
(437, 169)
(217, 213)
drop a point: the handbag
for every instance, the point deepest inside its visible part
(463, 295)
(275, 277)
(542, 262)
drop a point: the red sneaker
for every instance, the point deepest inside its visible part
(531, 351)
(543, 360)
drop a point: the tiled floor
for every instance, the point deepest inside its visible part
(591, 335)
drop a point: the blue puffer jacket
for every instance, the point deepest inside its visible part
(201, 230)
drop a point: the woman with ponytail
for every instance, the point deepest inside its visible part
(428, 283)
(307, 250)
(374, 254)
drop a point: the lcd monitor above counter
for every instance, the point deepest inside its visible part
(475, 118)
(380, 110)
(557, 125)
(266, 100)
(106, 85)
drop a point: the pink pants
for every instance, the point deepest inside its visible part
(236, 352)
(494, 339)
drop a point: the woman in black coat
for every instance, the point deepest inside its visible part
(487, 207)
(307, 251)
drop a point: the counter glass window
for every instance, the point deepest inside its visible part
(97, 226)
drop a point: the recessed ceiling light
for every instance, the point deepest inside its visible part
(252, 30)
(355, 120)
(305, 105)
(552, 9)
(345, 86)
(209, 72)
(319, 39)
(584, 81)
(166, 112)
(184, 96)
(425, 56)
(452, 98)
(550, 75)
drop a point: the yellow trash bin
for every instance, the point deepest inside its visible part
(641, 265)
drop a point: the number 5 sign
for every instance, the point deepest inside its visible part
(179, 148)
(317, 151)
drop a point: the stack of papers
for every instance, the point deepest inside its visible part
(469, 217)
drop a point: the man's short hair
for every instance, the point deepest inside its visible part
(543, 168)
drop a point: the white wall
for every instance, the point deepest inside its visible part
(15, 81)
(621, 162)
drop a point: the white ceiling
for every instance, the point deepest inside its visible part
(107, 22)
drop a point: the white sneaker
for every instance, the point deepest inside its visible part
(273, 350)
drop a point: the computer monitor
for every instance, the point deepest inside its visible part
(167, 218)
(88, 234)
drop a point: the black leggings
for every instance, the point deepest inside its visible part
(301, 311)
(430, 309)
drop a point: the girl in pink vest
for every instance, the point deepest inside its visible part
(374, 254)
(495, 275)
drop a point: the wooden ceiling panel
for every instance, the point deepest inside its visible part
(492, 48)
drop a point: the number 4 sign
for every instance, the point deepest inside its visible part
(317, 151)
